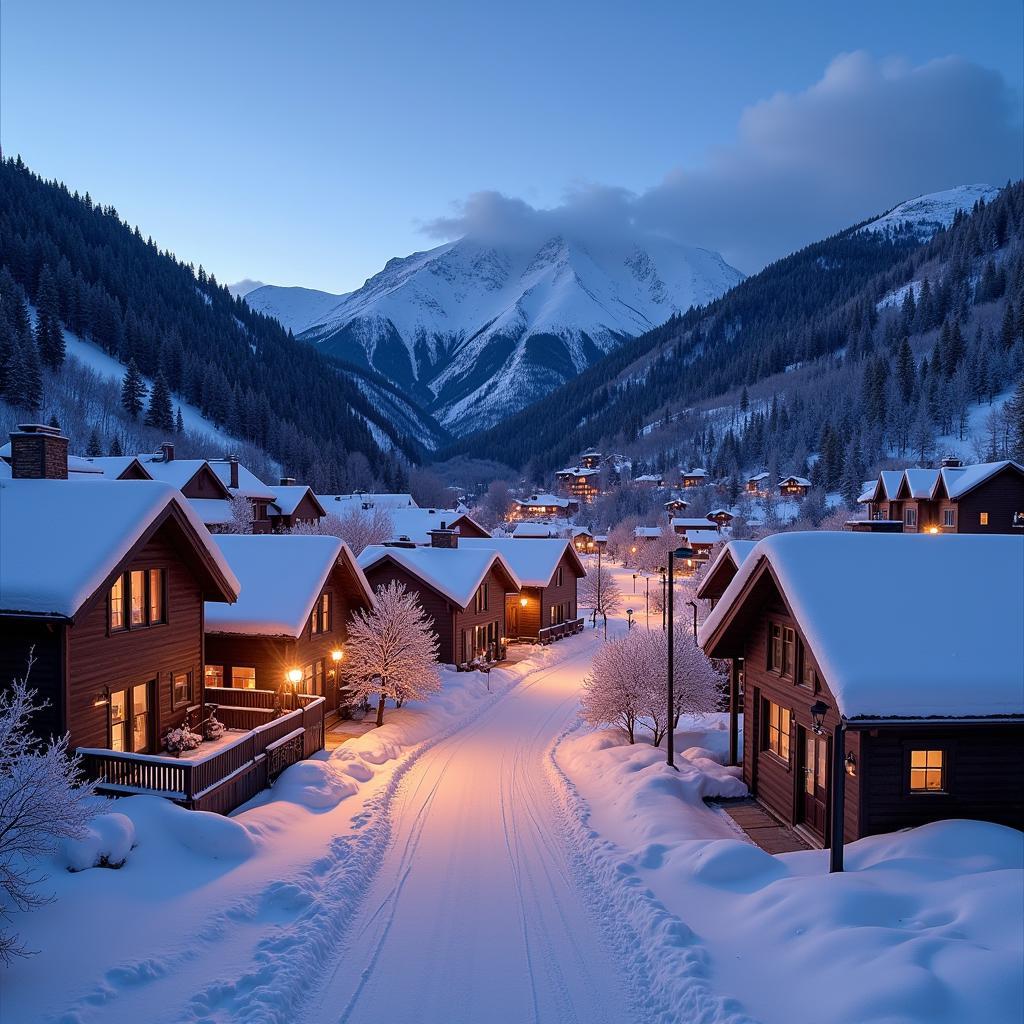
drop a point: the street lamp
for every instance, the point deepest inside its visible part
(693, 605)
(684, 553)
(664, 580)
(819, 709)
(629, 618)
(634, 581)
(294, 677)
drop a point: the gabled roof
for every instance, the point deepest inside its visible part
(918, 484)
(757, 477)
(535, 530)
(212, 511)
(694, 524)
(454, 573)
(695, 472)
(535, 500)
(720, 512)
(647, 531)
(282, 576)
(959, 480)
(534, 561)
(724, 567)
(112, 467)
(249, 484)
(677, 501)
(178, 472)
(287, 498)
(941, 652)
(361, 498)
(800, 481)
(60, 542)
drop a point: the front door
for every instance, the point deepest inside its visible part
(814, 772)
(131, 719)
(512, 617)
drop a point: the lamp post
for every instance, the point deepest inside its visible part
(647, 601)
(294, 677)
(838, 781)
(629, 618)
(634, 582)
(681, 552)
(693, 605)
(664, 580)
(599, 584)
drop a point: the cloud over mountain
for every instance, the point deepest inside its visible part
(869, 134)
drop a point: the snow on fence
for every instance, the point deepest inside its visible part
(226, 777)
(562, 629)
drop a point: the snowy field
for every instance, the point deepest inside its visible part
(485, 858)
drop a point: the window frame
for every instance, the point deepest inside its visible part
(949, 517)
(190, 693)
(910, 515)
(123, 601)
(770, 728)
(220, 674)
(983, 519)
(125, 578)
(239, 668)
(945, 751)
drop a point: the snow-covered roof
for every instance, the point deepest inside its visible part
(948, 649)
(57, 547)
(109, 466)
(585, 472)
(694, 524)
(212, 511)
(288, 496)
(891, 480)
(649, 478)
(647, 531)
(282, 576)
(416, 523)
(677, 501)
(177, 472)
(800, 481)
(456, 573)
(921, 482)
(534, 561)
(249, 484)
(361, 498)
(535, 500)
(958, 480)
(758, 477)
(536, 530)
(695, 472)
(581, 531)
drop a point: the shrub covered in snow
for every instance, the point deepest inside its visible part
(43, 800)
(105, 844)
(182, 738)
(393, 650)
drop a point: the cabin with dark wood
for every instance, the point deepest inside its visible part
(722, 570)
(721, 517)
(953, 498)
(541, 506)
(288, 629)
(243, 483)
(694, 477)
(463, 590)
(861, 717)
(794, 487)
(675, 506)
(701, 534)
(294, 505)
(759, 484)
(545, 607)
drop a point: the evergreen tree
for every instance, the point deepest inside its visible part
(160, 413)
(49, 333)
(744, 400)
(94, 449)
(25, 375)
(133, 390)
(1015, 421)
(115, 446)
(179, 422)
(905, 371)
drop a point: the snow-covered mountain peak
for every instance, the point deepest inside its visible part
(475, 330)
(929, 213)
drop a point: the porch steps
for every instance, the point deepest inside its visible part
(764, 831)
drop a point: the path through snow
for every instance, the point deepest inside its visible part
(475, 913)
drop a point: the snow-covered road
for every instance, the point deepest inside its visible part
(475, 913)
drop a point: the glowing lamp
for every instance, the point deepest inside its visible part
(933, 529)
(337, 655)
(818, 711)
(523, 602)
(294, 676)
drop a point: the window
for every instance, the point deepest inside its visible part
(156, 596)
(320, 619)
(927, 771)
(480, 598)
(777, 722)
(118, 720)
(910, 517)
(181, 688)
(137, 596)
(559, 583)
(774, 646)
(983, 519)
(214, 675)
(243, 676)
(949, 517)
(781, 649)
(808, 677)
(140, 718)
(117, 619)
(788, 651)
(313, 678)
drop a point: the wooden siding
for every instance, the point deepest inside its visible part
(45, 640)
(1000, 497)
(100, 661)
(205, 484)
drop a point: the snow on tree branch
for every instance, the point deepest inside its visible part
(393, 650)
(358, 528)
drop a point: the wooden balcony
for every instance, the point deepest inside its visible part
(551, 633)
(262, 739)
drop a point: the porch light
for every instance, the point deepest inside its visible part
(523, 602)
(933, 529)
(337, 655)
(850, 762)
(294, 676)
(102, 698)
(818, 711)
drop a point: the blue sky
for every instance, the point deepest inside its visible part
(307, 143)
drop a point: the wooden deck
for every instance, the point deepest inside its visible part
(764, 830)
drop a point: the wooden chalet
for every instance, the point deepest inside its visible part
(794, 487)
(545, 607)
(591, 460)
(286, 634)
(759, 484)
(694, 477)
(675, 506)
(462, 589)
(722, 570)
(582, 483)
(543, 506)
(702, 534)
(650, 480)
(243, 483)
(862, 717)
(954, 498)
(294, 505)
(721, 517)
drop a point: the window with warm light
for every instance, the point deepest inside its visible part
(117, 611)
(777, 726)
(137, 596)
(927, 771)
(181, 688)
(156, 596)
(243, 677)
(320, 618)
(214, 675)
(983, 519)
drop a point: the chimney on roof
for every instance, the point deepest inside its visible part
(951, 462)
(442, 537)
(402, 542)
(38, 452)
(233, 467)
(287, 481)
(167, 448)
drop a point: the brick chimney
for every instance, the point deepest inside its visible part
(233, 467)
(287, 481)
(951, 462)
(38, 452)
(167, 448)
(444, 538)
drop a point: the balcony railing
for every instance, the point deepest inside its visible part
(261, 741)
(557, 632)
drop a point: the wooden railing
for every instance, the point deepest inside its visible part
(227, 777)
(557, 632)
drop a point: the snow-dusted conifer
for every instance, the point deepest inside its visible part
(42, 800)
(392, 650)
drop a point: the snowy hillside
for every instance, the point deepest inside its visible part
(476, 331)
(928, 213)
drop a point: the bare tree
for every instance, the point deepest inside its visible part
(393, 650)
(613, 693)
(43, 799)
(242, 515)
(358, 528)
(600, 591)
